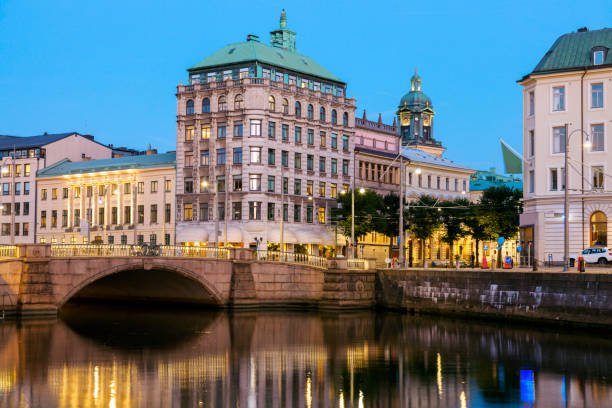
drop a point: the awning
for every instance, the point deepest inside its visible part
(192, 233)
(234, 234)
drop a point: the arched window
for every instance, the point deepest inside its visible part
(322, 114)
(271, 103)
(310, 112)
(238, 102)
(190, 107)
(298, 109)
(205, 105)
(285, 106)
(222, 103)
(599, 229)
(334, 117)
(345, 119)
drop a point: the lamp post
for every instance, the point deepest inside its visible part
(586, 144)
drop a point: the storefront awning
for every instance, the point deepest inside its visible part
(192, 233)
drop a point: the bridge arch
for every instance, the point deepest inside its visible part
(154, 269)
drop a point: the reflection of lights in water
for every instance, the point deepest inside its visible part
(96, 393)
(252, 402)
(439, 375)
(308, 390)
(341, 400)
(7, 380)
(360, 404)
(113, 393)
(462, 400)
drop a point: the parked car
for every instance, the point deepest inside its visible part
(599, 255)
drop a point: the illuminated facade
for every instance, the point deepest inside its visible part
(124, 200)
(263, 132)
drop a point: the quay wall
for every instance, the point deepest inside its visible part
(573, 298)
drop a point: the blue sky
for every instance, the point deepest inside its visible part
(110, 68)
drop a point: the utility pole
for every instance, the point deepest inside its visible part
(565, 207)
(13, 191)
(401, 213)
(282, 210)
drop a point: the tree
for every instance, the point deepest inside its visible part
(453, 215)
(476, 229)
(423, 219)
(388, 222)
(368, 207)
(499, 210)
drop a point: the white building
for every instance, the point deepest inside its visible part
(20, 159)
(127, 200)
(568, 94)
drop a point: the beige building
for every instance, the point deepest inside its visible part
(123, 200)
(568, 95)
(20, 159)
(263, 133)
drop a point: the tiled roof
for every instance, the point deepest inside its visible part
(255, 51)
(26, 142)
(121, 163)
(417, 155)
(574, 51)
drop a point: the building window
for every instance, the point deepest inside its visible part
(598, 57)
(18, 189)
(559, 139)
(140, 215)
(237, 210)
(6, 229)
(559, 98)
(322, 114)
(309, 162)
(271, 130)
(255, 127)
(187, 212)
(188, 133)
(598, 177)
(271, 157)
(297, 161)
(205, 105)
(255, 155)
(310, 112)
(188, 185)
(220, 184)
(168, 213)
(43, 192)
(531, 181)
(238, 102)
(113, 219)
(597, 132)
(221, 131)
(285, 185)
(334, 166)
(298, 109)
(153, 214)
(557, 179)
(238, 182)
(297, 187)
(321, 189)
(54, 193)
(204, 157)
(127, 214)
(43, 219)
(25, 228)
(285, 106)
(309, 214)
(597, 95)
(285, 158)
(100, 216)
(123, 239)
(334, 190)
(345, 143)
(140, 239)
(323, 141)
(285, 133)
(270, 211)
(238, 128)
(238, 155)
(190, 107)
(271, 184)
(254, 182)
(205, 132)
(271, 103)
(599, 229)
(140, 187)
(222, 104)
(254, 210)
(188, 159)
(310, 137)
(531, 142)
(345, 167)
(203, 211)
(345, 119)
(221, 157)
(298, 134)
(167, 186)
(297, 209)
(334, 141)
(154, 186)
(334, 117)
(531, 103)
(322, 164)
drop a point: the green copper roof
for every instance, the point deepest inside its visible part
(415, 100)
(575, 51)
(120, 163)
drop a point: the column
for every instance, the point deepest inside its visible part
(119, 203)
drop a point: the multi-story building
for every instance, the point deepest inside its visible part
(20, 159)
(377, 154)
(484, 179)
(264, 133)
(568, 95)
(127, 200)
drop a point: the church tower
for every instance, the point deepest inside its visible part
(415, 114)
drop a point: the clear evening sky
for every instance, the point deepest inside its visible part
(110, 68)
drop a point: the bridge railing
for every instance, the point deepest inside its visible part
(8, 251)
(355, 263)
(177, 251)
(291, 257)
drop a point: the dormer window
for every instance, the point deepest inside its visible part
(599, 55)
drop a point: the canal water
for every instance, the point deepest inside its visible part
(126, 356)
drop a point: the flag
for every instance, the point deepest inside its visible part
(513, 161)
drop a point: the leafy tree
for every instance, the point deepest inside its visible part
(498, 211)
(476, 228)
(423, 219)
(388, 222)
(368, 214)
(453, 215)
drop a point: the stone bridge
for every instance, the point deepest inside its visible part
(38, 279)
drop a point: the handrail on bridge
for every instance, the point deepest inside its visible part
(355, 263)
(8, 251)
(114, 250)
(292, 257)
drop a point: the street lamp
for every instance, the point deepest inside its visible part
(587, 144)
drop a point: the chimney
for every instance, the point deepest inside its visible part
(583, 30)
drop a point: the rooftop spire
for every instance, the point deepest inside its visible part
(283, 19)
(283, 37)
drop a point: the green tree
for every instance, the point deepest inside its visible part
(423, 219)
(474, 224)
(499, 210)
(453, 215)
(368, 206)
(388, 221)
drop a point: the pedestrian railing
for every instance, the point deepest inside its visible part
(354, 263)
(8, 251)
(112, 250)
(292, 257)
(176, 251)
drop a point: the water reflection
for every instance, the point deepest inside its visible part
(119, 357)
